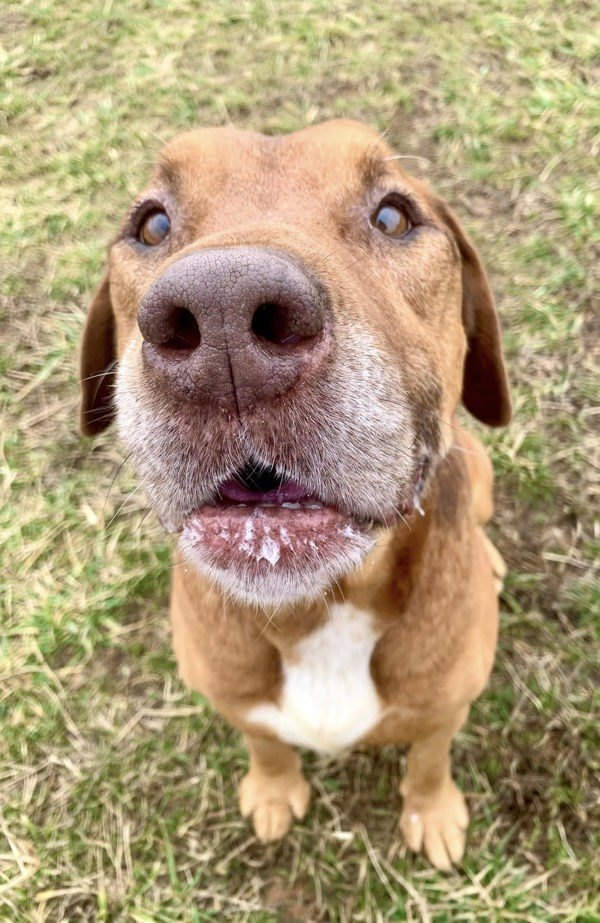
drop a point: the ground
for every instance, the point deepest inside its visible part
(116, 785)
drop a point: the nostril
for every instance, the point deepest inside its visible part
(185, 333)
(275, 323)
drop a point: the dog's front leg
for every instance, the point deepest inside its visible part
(274, 788)
(434, 816)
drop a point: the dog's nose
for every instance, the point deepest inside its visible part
(235, 326)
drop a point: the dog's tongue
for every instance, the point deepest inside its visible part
(287, 492)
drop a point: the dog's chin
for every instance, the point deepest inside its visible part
(274, 555)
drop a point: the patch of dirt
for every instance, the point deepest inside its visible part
(291, 902)
(12, 23)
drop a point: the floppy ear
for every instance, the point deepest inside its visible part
(97, 363)
(485, 390)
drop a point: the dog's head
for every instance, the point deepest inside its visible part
(293, 321)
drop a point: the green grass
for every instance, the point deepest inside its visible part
(116, 785)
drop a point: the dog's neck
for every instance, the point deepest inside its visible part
(385, 581)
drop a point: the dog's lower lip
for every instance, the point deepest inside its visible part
(283, 535)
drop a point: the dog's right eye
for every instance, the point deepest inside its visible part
(391, 220)
(154, 228)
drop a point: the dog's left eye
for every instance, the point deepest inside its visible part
(391, 220)
(154, 228)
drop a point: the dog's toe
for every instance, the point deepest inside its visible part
(272, 820)
(272, 802)
(437, 827)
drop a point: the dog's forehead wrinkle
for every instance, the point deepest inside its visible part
(376, 168)
(321, 162)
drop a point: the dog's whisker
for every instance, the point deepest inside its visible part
(116, 475)
(143, 519)
(97, 416)
(127, 499)
(103, 374)
(459, 448)
(270, 622)
(415, 157)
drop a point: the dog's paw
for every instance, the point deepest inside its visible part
(272, 801)
(436, 825)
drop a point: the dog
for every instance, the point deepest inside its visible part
(284, 332)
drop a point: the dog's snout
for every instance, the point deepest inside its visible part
(235, 326)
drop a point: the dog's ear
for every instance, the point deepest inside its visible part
(485, 391)
(97, 363)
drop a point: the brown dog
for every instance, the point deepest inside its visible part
(295, 321)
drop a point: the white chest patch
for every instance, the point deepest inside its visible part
(328, 700)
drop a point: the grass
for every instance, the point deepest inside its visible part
(116, 785)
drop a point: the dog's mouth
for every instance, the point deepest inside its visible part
(269, 538)
(259, 522)
(260, 485)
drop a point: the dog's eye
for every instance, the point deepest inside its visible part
(391, 220)
(154, 228)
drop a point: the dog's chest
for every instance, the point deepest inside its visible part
(328, 699)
